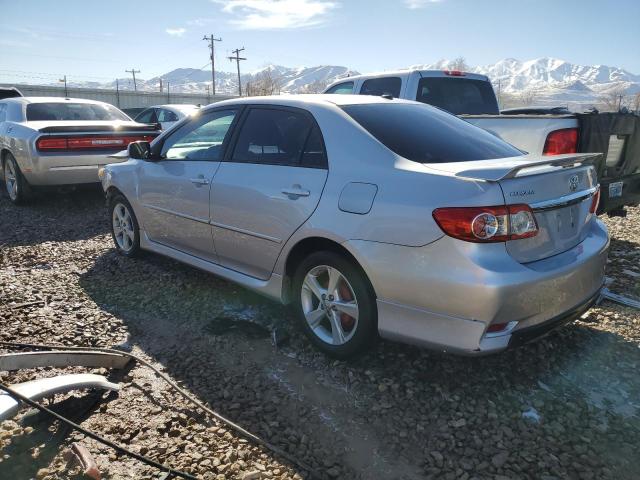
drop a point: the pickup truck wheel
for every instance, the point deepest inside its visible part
(16, 185)
(336, 304)
(124, 227)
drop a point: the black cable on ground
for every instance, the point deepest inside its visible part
(96, 437)
(237, 428)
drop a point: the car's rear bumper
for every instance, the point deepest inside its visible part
(64, 169)
(446, 294)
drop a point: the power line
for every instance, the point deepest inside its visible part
(211, 39)
(133, 72)
(237, 58)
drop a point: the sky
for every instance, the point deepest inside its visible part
(99, 40)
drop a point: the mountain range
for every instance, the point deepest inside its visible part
(542, 81)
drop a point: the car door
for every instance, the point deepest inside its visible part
(267, 187)
(166, 118)
(174, 190)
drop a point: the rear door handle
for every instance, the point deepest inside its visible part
(296, 192)
(200, 180)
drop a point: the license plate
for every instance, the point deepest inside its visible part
(615, 189)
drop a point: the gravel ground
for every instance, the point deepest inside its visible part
(567, 406)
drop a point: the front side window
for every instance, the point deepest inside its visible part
(273, 137)
(342, 88)
(60, 111)
(428, 135)
(200, 139)
(382, 86)
(147, 116)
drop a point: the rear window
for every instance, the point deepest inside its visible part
(427, 135)
(458, 95)
(73, 111)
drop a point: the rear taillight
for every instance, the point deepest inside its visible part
(487, 224)
(88, 143)
(561, 141)
(595, 201)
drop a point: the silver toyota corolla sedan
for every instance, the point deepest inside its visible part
(47, 141)
(372, 216)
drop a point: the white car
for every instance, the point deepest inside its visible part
(166, 115)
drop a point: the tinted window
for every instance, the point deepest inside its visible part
(166, 115)
(3, 112)
(200, 139)
(382, 86)
(314, 155)
(458, 95)
(428, 135)
(73, 111)
(274, 137)
(147, 116)
(341, 88)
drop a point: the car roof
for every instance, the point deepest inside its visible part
(29, 100)
(176, 106)
(311, 99)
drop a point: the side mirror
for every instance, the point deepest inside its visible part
(139, 150)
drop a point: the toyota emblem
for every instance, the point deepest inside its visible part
(573, 183)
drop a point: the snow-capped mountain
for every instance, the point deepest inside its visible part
(190, 80)
(553, 81)
(542, 81)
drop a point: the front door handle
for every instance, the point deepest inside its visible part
(200, 180)
(295, 192)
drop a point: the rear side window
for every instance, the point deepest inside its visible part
(341, 88)
(166, 116)
(458, 95)
(427, 135)
(382, 86)
(276, 137)
(73, 111)
(147, 116)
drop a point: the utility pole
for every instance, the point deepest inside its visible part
(66, 93)
(208, 95)
(117, 93)
(133, 72)
(168, 94)
(211, 39)
(237, 58)
(160, 84)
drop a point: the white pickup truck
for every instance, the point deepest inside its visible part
(471, 97)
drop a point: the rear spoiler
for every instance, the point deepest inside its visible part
(147, 128)
(496, 170)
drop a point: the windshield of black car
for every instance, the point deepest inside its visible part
(458, 95)
(58, 111)
(428, 135)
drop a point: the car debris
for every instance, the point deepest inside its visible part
(80, 454)
(607, 294)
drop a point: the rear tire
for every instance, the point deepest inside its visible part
(17, 187)
(124, 226)
(335, 304)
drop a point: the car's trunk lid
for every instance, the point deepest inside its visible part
(559, 189)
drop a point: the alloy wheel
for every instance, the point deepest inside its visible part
(123, 227)
(11, 180)
(329, 305)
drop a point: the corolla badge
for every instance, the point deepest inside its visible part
(573, 183)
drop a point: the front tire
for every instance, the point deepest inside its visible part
(336, 304)
(124, 227)
(17, 187)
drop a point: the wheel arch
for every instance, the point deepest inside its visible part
(307, 246)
